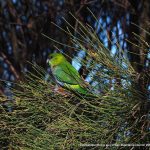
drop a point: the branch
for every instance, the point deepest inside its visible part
(13, 70)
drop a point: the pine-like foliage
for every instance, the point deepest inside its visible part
(43, 119)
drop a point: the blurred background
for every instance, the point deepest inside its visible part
(23, 21)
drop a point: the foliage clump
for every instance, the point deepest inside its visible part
(41, 118)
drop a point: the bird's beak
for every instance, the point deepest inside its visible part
(47, 61)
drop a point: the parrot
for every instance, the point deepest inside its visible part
(66, 75)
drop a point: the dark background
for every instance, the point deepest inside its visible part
(23, 21)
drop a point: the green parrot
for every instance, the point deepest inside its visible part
(66, 75)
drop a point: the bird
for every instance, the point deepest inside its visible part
(66, 75)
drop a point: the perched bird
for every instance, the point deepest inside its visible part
(66, 75)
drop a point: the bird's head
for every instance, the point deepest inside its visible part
(55, 59)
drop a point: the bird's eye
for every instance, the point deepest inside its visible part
(50, 57)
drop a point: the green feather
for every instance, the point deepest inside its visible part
(66, 75)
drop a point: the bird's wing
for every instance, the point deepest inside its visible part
(66, 73)
(67, 76)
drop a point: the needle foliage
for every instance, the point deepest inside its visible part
(42, 119)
